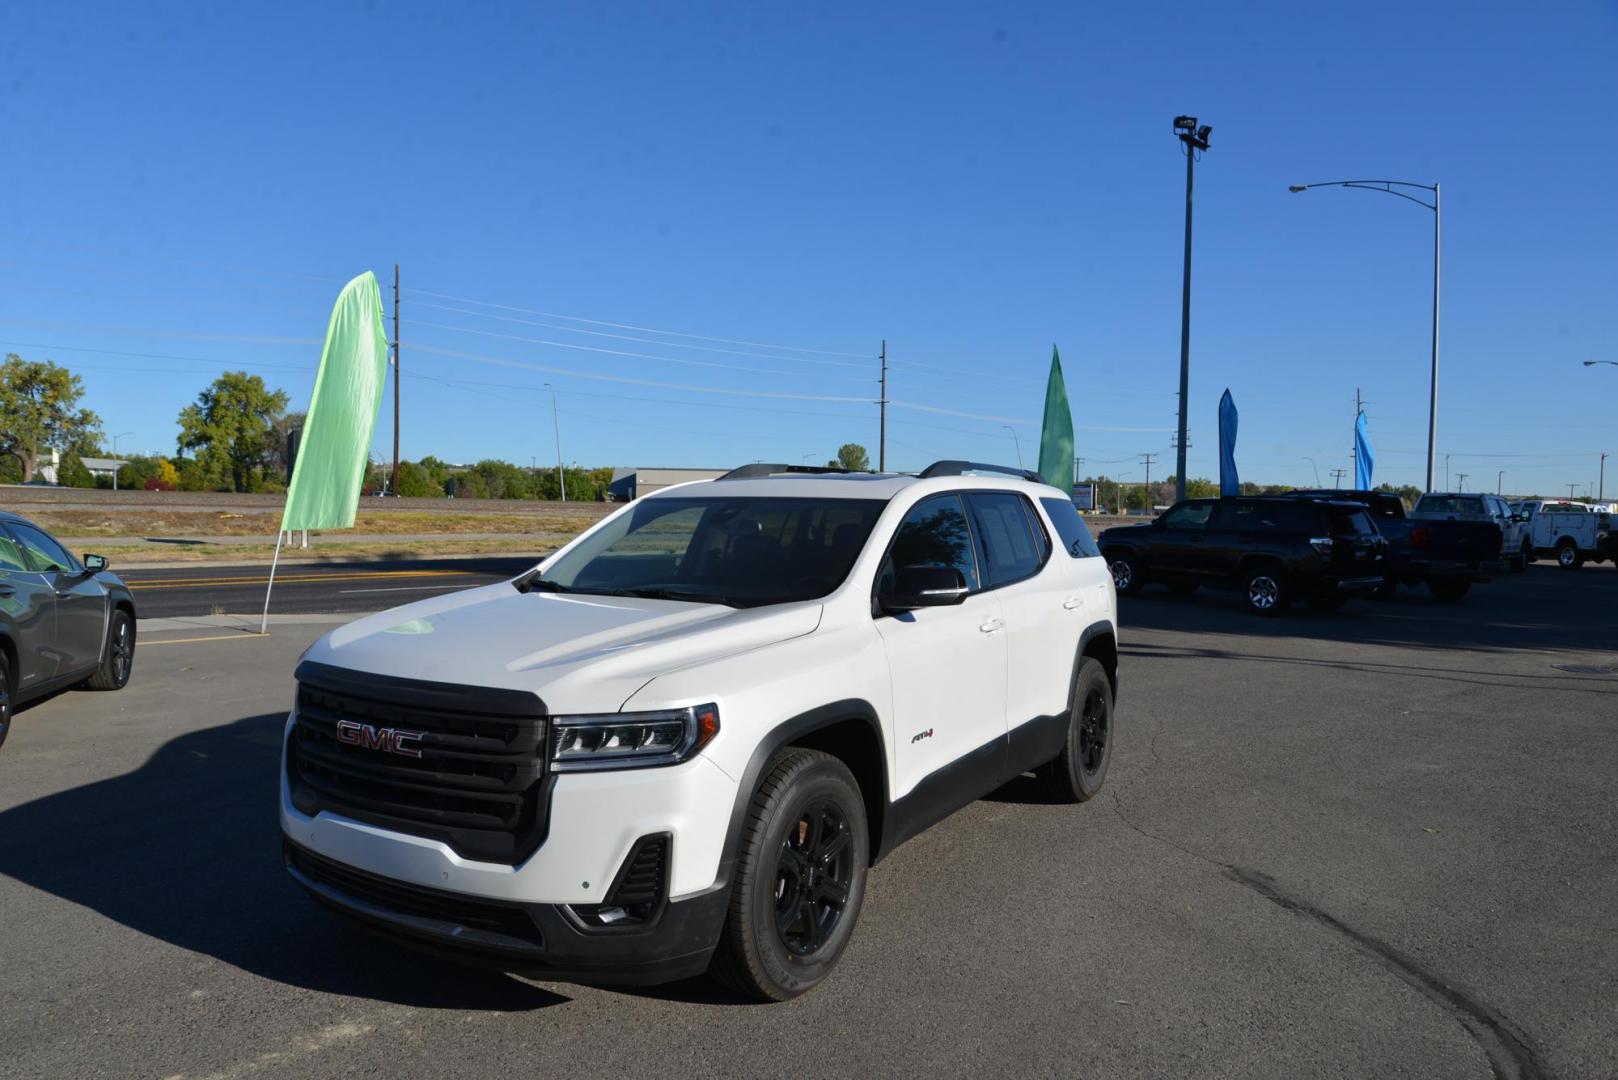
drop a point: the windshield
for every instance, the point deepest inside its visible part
(738, 551)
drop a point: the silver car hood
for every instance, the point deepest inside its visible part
(579, 653)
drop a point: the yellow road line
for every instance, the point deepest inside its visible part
(202, 583)
(243, 635)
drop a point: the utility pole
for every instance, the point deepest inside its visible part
(1337, 477)
(882, 435)
(1146, 459)
(1601, 486)
(556, 425)
(1195, 140)
(1461, 479)
(395, 482)
(1500, 483)
(1078, 464)
(1571, 488)
(1359, 407)
(1446, 472)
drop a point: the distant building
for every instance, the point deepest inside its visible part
(631, 483)
(100, 466)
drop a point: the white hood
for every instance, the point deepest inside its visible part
(579, 653)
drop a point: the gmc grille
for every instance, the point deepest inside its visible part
(478, 784)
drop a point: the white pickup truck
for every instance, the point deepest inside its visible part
(1570, 532)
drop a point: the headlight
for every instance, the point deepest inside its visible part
(631, 740)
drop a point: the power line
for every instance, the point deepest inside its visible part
(641, 329)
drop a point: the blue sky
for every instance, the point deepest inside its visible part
(187, 187)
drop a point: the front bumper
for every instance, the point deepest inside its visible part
(542, 940)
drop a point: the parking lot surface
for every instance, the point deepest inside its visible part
(1378, 843)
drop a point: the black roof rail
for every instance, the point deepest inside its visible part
(765, 469)
(961, 468)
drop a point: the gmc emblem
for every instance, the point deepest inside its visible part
(388, 740)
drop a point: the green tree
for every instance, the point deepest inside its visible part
(853, 457)
(39, 412)
(72, 472)
(229, 427)
(413, 482)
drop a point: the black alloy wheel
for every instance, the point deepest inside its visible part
(1077, 773)
(799, 879)
(813, 875)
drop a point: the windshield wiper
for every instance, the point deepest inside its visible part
(532, 582)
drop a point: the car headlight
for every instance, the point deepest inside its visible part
(631, 740)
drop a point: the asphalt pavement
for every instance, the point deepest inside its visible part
(1376, 843)
(203, 589)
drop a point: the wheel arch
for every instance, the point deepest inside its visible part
(1099, 642)
(847, 730)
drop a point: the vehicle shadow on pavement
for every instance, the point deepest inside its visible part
(1544, 610)
(187, 849)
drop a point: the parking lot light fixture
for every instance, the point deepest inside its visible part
(1593, 363)
(1391, 187)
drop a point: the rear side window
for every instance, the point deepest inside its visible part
(1450, 504)
(1265, 517)
(1071, 528)
(933, 533)
(1006, 542)
(1348, 522)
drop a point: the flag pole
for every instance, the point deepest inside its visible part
(264, 623)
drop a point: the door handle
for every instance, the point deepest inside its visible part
(1072, 602)
(992, 625)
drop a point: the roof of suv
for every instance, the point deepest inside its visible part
(797, 482)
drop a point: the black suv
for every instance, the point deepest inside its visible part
(1273, 550)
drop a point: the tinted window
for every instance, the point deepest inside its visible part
(11, 556)
(1265, 517)
(934, 533)
(1004, 539)
(45, 554)
(1344, 522)
(1071, 528)
(1450, 504)
(738, 551)
(1188, 516)
(1036, 528)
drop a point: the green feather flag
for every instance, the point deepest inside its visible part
(1056, 439)
(336, 442)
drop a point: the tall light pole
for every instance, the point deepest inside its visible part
(1593, 363)
(1446, 475)
(1016, 442)
(121, 434)
(1315, 467)
(1500, 483)
(1388, 187)
(556, 425)
(1601, 484)
(1196, 140)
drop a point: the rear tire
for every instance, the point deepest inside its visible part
(1077, 773)
(1448, 590)
(1127, 578)
(8, 697)
(119, 661)
(1568, 555)
(800, 878)
(1524, 557)
(1266, 590)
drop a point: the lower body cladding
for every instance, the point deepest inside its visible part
(627, 887)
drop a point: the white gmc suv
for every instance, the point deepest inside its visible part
(677, 744)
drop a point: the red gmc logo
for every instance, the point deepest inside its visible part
(387, 740)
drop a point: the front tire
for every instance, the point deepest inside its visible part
(1266, 590)
(1127, 578)
(1077, 773)
(800, 878)
(119, 661)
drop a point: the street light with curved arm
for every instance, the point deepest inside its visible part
(1390, 187)
(1016, 441)
(1593, 363)
(115, 439)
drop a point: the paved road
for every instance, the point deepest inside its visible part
(318, 587)
(1372, 844)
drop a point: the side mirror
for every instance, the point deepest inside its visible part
(923, 586)
(94, 564)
